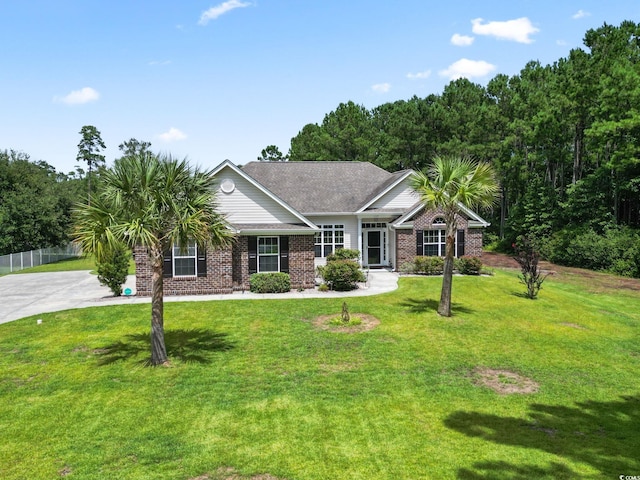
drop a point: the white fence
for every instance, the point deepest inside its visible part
(15, 262)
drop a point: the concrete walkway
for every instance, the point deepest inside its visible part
(27, 294)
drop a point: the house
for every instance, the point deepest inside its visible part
(288, 216)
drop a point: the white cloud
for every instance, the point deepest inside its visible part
(215, 12)
(580, 14)
(517, 30)
(465, 68)
(381, 87)
(172, 135)
(461, 40)
(561, 43)
(419, 75)
(155, 63)
(77, 97)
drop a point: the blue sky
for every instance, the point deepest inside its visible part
(212, 80)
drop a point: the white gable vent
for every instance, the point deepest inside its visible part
(227, 185)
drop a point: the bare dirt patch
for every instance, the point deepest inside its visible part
(596, 282)
(229, 473)
(367, 322)
(504, 382)
(573, 325)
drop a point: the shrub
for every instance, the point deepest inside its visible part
(114, 268)
(272, 282)
(407, 267)
(615, 250)
(429, 265)
(527, 257)
(342, 275)
(343, 254)
(469, 265)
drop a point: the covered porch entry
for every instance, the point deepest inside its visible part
(374, 244)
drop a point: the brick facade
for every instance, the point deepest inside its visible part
(228, 269)
(406, 238)
(217, 280)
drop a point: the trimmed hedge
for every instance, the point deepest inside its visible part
(343, 254)
(341, 275)
(272, 282)
(468, 265)
(429, 265)
(424, 265)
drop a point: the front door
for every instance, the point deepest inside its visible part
(375, 248)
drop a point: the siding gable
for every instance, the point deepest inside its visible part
(247, 203)
(401, 196)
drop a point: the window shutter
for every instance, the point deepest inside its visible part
(419, 243)
(460, 245)
(167, 264)
(202, 262)
(284, 254)
(253, 254)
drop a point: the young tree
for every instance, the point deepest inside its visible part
(89, 150)
(450, 184)
(527, 256)
(155, 202)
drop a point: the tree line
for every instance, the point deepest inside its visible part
(36, 201)
(564, 139)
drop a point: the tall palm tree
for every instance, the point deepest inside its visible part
(450, 183)
(155, 202)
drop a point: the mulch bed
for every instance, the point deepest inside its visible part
(368, 322)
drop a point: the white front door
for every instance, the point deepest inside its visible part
(374, 244)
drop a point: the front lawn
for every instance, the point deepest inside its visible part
(255, 387)
(71, 264)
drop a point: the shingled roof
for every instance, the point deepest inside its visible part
(322, 187)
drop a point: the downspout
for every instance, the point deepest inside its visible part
(360, 240)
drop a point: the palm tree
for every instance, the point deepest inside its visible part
(450, 184)
(155, 202)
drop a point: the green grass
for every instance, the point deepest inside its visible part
(255, 387)
(81, 263)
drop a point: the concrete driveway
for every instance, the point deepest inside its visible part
(26, 294)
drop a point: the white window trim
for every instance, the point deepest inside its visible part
(175, 256)
(322, 244)
(442, 241)
(277, 255)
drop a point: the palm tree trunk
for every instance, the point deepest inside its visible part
(158, 349)
(444, 308)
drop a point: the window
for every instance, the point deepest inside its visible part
(434, 243)
(330, 239)
(374, 225)
(184, 260)
(268, 254)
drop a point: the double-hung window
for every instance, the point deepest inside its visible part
(268, 254)
(328, 240)
(435, 242)
(185, 260)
